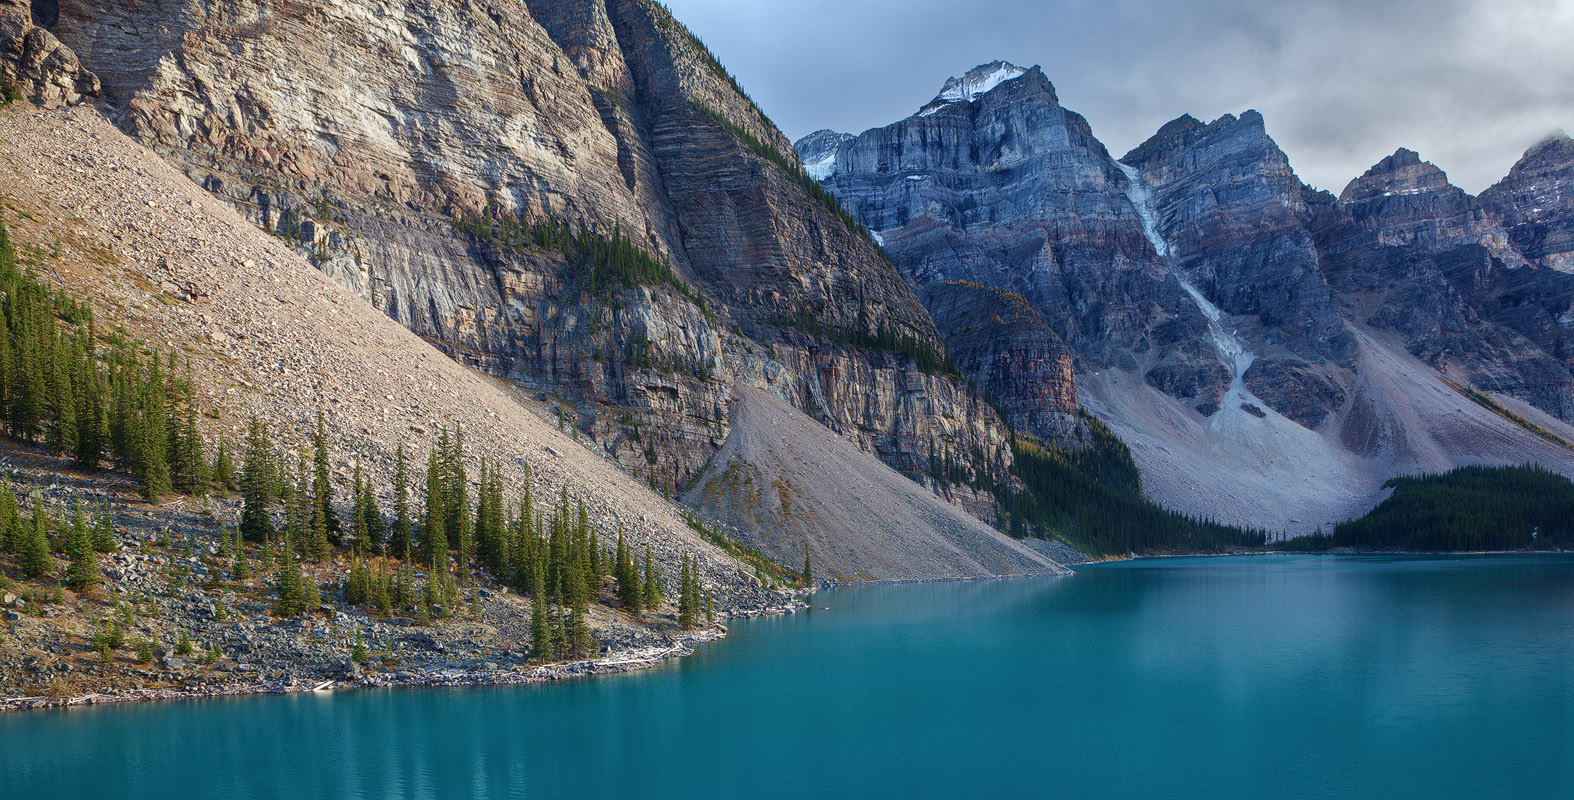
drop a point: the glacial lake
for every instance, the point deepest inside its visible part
(1270, 676)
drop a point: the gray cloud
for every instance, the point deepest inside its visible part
(1467, 83)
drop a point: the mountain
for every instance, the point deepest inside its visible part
(1271, 354)
(572, 195)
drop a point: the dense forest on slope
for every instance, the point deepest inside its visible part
(1092, 499)
(1469, 508)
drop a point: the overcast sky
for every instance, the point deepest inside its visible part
(1467, 83)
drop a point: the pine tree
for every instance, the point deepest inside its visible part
(152, 470)
(33, 554)
(10, 517)
(82, 573)
(103, 532)
(291, 601)
(382, 591)
(324, 523)
(358, 532)
(241, 568)
(540, 631)
(651, 591)
(808, 568)
(371, 519)
(434, 538)
(627, 574)
(224, 478)
(577, 631)
(257, 483)
(191, 474)
(687, 609)
(358, 587)
(401, 541)
(358, 654)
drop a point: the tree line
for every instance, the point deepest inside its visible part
(1465, 509)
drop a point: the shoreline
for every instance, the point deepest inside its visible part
(618, 662)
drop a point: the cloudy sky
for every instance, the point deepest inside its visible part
(1467, 83)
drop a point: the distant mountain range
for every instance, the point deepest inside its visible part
(1270, 353)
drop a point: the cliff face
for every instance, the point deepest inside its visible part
(407, 150)
(1218, 311)
(1535, 203)
(1228, 207)
(997, 184)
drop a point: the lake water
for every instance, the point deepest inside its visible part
(1278, 676)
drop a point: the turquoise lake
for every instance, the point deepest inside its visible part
(1275, 676)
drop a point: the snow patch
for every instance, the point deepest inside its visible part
(823, 168)
(1230, 347)
(1141, 197)
(978, 81)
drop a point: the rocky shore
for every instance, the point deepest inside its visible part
(353, 677)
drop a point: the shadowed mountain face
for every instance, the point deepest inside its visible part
(1223, 316)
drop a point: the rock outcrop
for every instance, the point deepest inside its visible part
(33, 63)
(1535, 204)
(1410, 203)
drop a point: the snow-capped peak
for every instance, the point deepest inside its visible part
(979, 80)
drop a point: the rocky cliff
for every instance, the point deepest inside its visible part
(572, 194)
(1219, 312)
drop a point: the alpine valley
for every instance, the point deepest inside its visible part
(377, 342)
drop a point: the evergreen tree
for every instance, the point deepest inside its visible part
(358, 531)
(324, 523)
(10, 518)
(651, 590)
(627, 575)
(291, 601)
(382, 592)
(152, 468)
(687, 608)
(33, 554)
(808, 568)
(401, 541)
(371, 522)
(82, 573)
(103, 532)
(191, 465)
(241, 568)
(577, 632)
(540, 631)
(257, 484)
(224, 477)
(434, 538)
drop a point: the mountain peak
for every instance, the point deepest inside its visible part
(979, 80)
(1403, 173)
